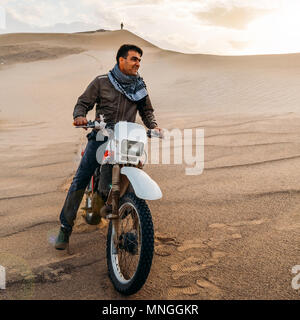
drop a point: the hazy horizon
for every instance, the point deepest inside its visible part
(222, 27)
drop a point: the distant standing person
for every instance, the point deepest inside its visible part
(122, 25)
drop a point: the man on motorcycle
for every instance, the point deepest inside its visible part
(118, 96)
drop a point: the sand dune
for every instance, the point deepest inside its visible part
(230, 233)
(39, 46)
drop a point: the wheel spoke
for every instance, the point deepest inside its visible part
(129, 242)
(130, 264)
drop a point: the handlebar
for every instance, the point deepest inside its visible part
(101, 126)
(93, 125)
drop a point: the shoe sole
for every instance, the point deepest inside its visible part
(62, 246)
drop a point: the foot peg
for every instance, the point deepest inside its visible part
(106, 212)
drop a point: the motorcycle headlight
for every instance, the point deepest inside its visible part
(132, 148)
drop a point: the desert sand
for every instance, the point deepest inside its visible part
(232, 232)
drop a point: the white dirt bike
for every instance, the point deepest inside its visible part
(130, 236)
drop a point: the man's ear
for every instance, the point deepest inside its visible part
(121, 60)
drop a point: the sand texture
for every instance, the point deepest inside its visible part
(232, 232)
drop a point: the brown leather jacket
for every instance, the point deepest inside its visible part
(112, 104)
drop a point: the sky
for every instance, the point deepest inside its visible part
(224, 27)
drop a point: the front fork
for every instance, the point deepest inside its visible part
(89, 192)
(115, 190)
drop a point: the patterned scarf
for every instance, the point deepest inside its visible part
(133, 87)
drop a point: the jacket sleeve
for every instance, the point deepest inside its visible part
(87, 100)
(146, 112)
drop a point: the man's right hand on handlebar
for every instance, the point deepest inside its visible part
(80, 121)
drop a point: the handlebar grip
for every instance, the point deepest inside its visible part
(90, 124)
(154, 133)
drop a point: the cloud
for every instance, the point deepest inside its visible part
(206, 26)
(14, 25)
(141, 2)
(231, 17)
(239, 45)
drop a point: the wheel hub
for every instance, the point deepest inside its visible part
(128, 242)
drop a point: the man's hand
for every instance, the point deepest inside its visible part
(160, 131)
(80, 121)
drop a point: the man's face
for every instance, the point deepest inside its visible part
(131, 64)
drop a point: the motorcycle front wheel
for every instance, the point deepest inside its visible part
(129, 260)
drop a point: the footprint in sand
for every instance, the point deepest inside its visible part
(203, 287)
(186, 263)
(208, 286)
(189, 291)
(162, 251)
(205, 255)
(211, 242)
(231, 228)
(165, 239)
(190, 266)
(236, 224)
(163, 244)
(191, 244)
(188, 269)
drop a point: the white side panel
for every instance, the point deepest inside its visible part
(144, 187)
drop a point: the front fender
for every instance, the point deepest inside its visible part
(144, 187)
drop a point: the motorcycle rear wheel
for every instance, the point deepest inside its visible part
(130, 262)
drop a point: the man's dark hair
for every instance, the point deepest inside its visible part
(123, 51)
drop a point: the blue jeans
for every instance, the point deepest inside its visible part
(80, 181)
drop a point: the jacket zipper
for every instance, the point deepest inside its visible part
(118, 111)
(124, 108)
